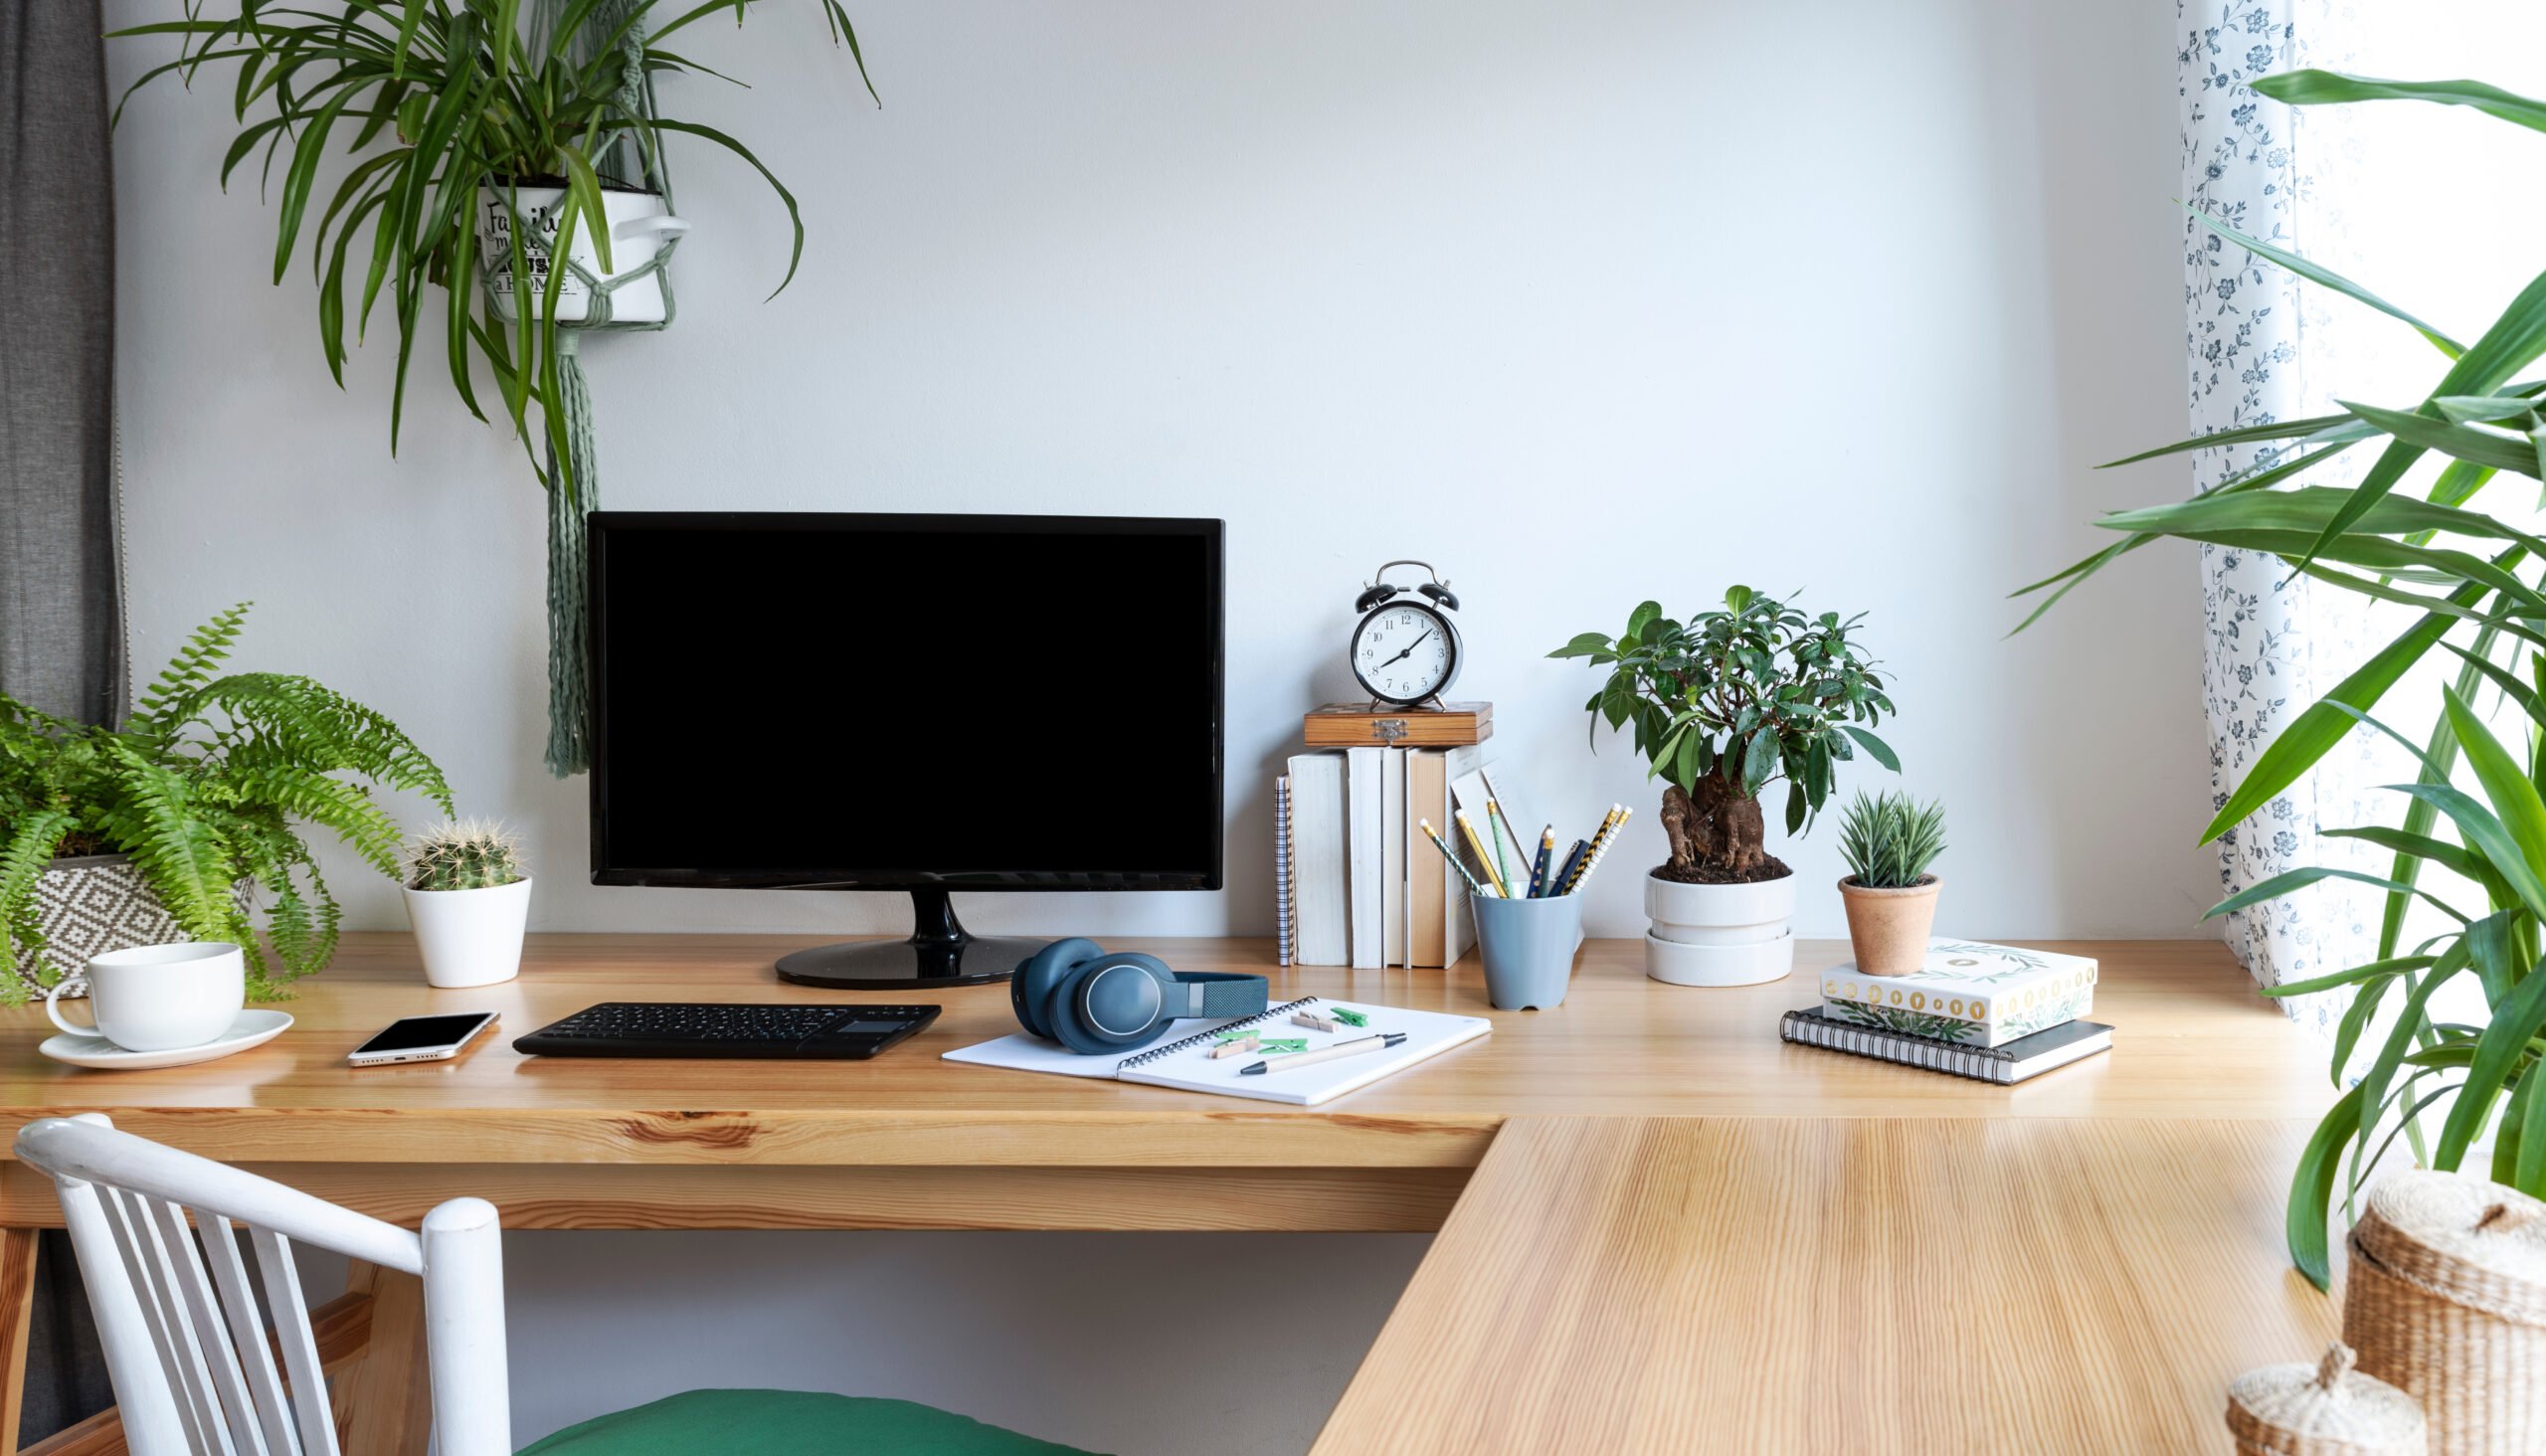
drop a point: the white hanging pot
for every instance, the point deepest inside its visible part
(640, 224)
(1718, 935)
(471, 937)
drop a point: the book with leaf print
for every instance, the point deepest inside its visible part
(1969, 992)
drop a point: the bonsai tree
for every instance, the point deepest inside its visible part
(1726, 704)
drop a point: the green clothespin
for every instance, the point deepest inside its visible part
(1348, 1016)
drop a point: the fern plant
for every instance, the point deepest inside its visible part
(207, 784)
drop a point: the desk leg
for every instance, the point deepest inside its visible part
(16, 1302)
(385, 1404)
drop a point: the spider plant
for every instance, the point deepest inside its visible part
(433, 98)
(2473, 584)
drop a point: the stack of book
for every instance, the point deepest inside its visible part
(1998, 1014)
(1356, 883)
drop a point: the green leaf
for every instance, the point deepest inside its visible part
(2505, 781)
(2311, 1189)
(1758, 762)
(2354, 976)
(2291, 880)
(1881, 750)
(1641, 617)
(1737, 599)
(2464, 441)
(2243, 434)
(2497, 1054)
(2485, 834)
(2295, 749)
(1582, 646)
(2315, 273)
(2314, 87)
(796, 251)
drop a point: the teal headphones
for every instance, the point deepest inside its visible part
(1095, 1002)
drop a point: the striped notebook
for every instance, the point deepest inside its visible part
(2006, 1064)
(1282, 868)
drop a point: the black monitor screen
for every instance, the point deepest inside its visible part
(896, 702)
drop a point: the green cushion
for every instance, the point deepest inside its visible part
(789, 1423)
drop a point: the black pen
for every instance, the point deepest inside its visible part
(1355, 1047)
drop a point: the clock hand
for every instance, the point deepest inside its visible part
(1410, 649)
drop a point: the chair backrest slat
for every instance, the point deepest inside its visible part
(211, 1328)
(175, 1298)
(248, 1332)
(139, 1248)
(299, 1343)
(194, 1372)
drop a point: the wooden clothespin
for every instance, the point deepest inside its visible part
(1314, 1020)
(1238, 1045)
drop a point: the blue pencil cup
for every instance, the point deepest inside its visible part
(1528, 947)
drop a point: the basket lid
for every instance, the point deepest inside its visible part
(2466, 1239)
(2324, 1410)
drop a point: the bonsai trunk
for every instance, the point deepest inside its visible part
(1718, 835)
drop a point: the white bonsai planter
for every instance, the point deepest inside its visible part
(1718, 935)
(470, 937)
(639, 223)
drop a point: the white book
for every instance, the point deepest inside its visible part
(1393, 886)
(1319, 879)
(1471, 791)
(1365, 819)
(1187, 1063)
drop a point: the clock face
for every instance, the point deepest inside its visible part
(1404, 654)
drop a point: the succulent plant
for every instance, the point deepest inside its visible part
(465, 854)
(1890, 839)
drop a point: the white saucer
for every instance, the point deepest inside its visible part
(253, 1028)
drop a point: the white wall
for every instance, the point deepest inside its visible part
(1584, 302)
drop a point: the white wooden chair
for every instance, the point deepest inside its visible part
(186, 1348)
(191, 1365)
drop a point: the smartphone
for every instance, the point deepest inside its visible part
(422, 1038)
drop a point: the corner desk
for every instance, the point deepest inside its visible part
(1658, 1228)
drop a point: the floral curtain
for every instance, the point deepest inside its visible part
(2263, 347)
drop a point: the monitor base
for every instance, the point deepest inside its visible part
(939, 953)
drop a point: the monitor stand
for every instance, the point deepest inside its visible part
(939, 953)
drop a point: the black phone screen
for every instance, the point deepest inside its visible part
(415, 1033)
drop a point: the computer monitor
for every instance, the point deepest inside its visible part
(924, 703)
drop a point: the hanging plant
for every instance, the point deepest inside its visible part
(514, 162)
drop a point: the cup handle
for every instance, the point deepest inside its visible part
(53, 1009)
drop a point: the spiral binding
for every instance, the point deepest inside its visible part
(1203, 1038)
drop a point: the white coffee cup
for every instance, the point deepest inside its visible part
(160, 997)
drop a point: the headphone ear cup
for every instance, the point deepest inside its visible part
(1029, 990)
(1083, 1028)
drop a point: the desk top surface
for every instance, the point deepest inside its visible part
(2193, 1042)
(1692, 1285)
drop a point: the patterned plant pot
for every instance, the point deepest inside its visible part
(92, 904)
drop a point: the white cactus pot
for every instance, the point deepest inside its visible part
(471, 937)
(1718, 935)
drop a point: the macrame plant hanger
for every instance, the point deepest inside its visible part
(575, 490)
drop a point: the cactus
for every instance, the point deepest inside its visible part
(465, 854)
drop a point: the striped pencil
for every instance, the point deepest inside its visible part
(1599, 841)
(1451, 856)
(1483, 856)
(1602, 848)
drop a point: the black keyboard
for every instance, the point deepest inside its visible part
(682, 1028)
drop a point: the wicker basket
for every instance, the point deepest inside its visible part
(2324, 1410)
(2447, 1300)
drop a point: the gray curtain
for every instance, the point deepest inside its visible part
(61, 615)
(60, 637)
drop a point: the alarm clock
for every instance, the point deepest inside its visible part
(1405, 651)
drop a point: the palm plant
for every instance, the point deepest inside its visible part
(440, 96)
(203, 786)
(2472, 581)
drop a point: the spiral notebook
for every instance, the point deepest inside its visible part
(1187, 1063)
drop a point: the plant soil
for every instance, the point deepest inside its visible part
(1769, 868)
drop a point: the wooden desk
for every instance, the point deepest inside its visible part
(909, 1141)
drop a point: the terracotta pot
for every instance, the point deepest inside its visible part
(1888, 927)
